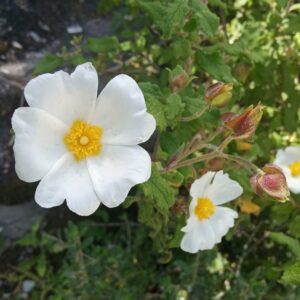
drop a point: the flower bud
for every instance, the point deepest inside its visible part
(215, 164)
(218, 94)
(244, 125)
(271, 182)
(179, 81)
(241, 72)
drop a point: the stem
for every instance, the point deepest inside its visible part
(156, 147)
(195, 144)
(225, 143)
(293, 202)
(203, 144)
(196, 116)
(287, 8)
(194, 160)
(243, 162)
(195, 272)
(246, 251)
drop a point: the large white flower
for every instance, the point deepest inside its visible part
(83, 149)
(208, 221)
(288, 160)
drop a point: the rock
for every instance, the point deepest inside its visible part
(98, 27)
(27, 286)
(15, 220)
(74, 29)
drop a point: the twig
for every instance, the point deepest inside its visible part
(195, 273)
(246, 251)
(196, 116)
(156, 147)
(243, 162)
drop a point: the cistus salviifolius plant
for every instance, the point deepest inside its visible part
(213, 95)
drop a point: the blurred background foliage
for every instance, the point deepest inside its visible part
(175, 49)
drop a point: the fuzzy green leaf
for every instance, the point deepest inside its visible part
(174, 106)
(47, 64)
(291, 274)
(104, 44)
(158, 190)
(207, 21)
(174, 19)
(214, 64)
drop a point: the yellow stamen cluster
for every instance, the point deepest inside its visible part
(205, 208)
(83, 139)
(295, 168)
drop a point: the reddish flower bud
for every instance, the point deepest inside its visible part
(244, 124)
(271, 183)
(215, 164)
(179, 82)
(218, 94)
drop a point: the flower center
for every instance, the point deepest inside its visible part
(295, 168)
(83, 139)
(205, 208)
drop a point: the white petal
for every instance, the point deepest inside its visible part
(285, 157)
(294, 185)
(116, 170)
(293, 182)
(121, 111)
(223, 189)
(221, 221)
(199, 186)
(202, 237)
(67, 97)
(38, 142)
(190, 223)
(69, 180)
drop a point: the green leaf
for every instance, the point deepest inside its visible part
(152, 94)
(158, 190)
(217, 3)
(282, 3)
(207, 21)
(294, 226)
(176, 240)
(157, 109)
(181, 48)
(47, 64)
(291, 274)
(174, 178)
(156, 11)
(169, 19)
(41, 266)
(283, 239)
(174, 18)
(150, 89)
(174, 106)
(103, 44)
(213, 64)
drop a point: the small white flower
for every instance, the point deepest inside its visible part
(209, 222)
(83, 149)
(288, 160)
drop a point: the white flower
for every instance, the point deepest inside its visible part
(83, 149)
(209, 222)
(288, 160)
